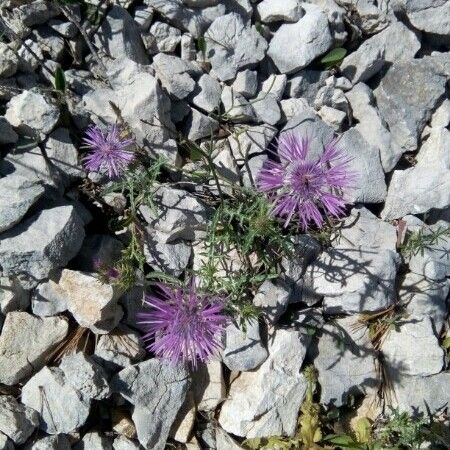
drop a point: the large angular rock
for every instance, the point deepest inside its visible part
(430, 16)
(266, 401)
(425, 299)
(209, 386)
(376, 52)
(295, 45)
(424, 186)
(142, 102)
(56, 442)
(372, 126)
(61, 408)
(199, 125)
(230, 52)
(32, 114)
(206, 95)
(345, 362)
(85, 376)
(92, 303)
(273, 298)
(193, 20)
(243, 349)
(17, 195)
(412, 348)
(178, 214)
(407, 114)
(25, 343)
(120, 36)
(157, 390)
(370, 184)
(415, 395)
(167, 37)
(16, 421)
(120, 348)
(44, 242)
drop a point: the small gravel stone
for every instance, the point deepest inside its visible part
(8, 61)
(246, 83)
(280, 10)
(236, 107)
(206, 95)
(167, 37)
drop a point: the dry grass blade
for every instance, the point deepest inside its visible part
(77, 340)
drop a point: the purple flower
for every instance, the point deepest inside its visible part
(108, 151)
(183, 325)
(303, 188)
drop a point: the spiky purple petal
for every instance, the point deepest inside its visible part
(305, 189)
(183, 325)
(108, 151)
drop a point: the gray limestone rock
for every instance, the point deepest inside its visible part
(40, 244)
(295, 45)
(25, 343)
(157, 390)
(231, 46)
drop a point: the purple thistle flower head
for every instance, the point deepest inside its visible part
(303, 188)
(184, 325)
(108, 151)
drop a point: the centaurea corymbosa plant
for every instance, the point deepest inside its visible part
(183, 325)
(303, 188)
(109, 151)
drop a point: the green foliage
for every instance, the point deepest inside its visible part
(201, 45)
(334, 57)
(243, 248)
(139, 185)
(424, 238)
(60, 80)
(402, 431)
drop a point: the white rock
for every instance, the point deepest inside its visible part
(143, 16)
(50, 42)
(174, 74)
(230, 52)
(199, 125)
(17, 195)
(372, 126)
(333, 117)
(12, 295)
(5, 443)
(406, 114)
(236, 107)
(170, 257)
(25, 343)
(427, 395)
(431, 16)
(120, 36)
(273, 298)
(412, 348)
(243, 349)
(295, 45)
(209, 386)
(345, 362)
(8, 61)
(167, 37)
(370, 184)
(85, 376)
(188, 50)
(279, 10)
(41, 244)
(306, 84)
(157, 390)
(120, 348)
(266, 401)
(16, 421)
(48, 299)
(292, 107)
(426, 185)
(62, 409)
(373, 54)
(246, 83)
(56, 442)
(206, 95)
(123, 443)
(193, 20)
(224, 441)
(179, 214)
(65, 29)
(94, 441)
(93, 304)
(142, 102)
(7, 134)
(35, 12)
(32, 114)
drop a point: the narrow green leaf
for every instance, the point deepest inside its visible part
(60, 80)
(334, 57)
